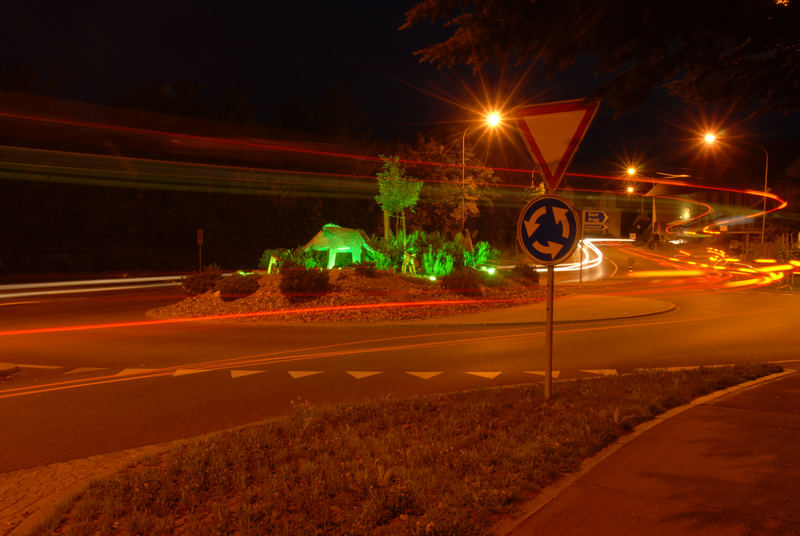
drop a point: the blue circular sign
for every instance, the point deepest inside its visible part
(548, 229)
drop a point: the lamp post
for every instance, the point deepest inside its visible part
(493, 120)
(710, 138)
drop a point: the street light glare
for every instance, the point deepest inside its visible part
(710, 138)
(631, 171)
(493, 119)
(630, 189)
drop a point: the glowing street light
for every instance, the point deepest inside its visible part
(631, 171)
(493, 120)
(710, 138)
(630, 189)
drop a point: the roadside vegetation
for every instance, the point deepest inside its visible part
(430, 465)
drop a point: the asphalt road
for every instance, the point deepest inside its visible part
(115, 388)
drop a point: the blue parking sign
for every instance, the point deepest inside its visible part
(548, 229)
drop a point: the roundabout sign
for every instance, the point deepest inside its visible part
(548, 230)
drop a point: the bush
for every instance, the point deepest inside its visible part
(526, 273)
(437, 263)
(300, 284)
(237, 286)
(279, 254)
(480, 253)
(464, 281)
(200, 282)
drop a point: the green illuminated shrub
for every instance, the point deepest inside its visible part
(480, 253)
(464, 281)
(299, 284)
(279, 254)
(200, 282)
(437, 262)
(525, 273)
(237, 286)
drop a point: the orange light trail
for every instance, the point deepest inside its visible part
(183, 320)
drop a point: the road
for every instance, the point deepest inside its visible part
(93, 390)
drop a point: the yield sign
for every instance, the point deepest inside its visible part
(553, 132)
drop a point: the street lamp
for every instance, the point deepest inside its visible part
(710, 138)
(493, 120)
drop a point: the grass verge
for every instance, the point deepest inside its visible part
(432, 465)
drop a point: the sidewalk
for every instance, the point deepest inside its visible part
(729, 465)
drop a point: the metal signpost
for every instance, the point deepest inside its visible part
(549, 226)
(548, 231)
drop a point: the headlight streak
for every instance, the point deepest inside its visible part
(183, 320)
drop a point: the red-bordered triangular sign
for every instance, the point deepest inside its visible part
(553, 131)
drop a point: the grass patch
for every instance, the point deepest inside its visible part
(432, 465)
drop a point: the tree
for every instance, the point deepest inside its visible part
(440, 205)
(397, 192)
(744, 53)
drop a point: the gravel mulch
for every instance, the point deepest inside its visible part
(356, 298)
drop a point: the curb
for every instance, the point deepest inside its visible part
(548, 494)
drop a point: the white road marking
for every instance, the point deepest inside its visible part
(295, 374)
(81, 370)
(49, 367)
(129, 371)
(241, 373)
(186, 372)
(601, 372)
(424, 375)
(554, 373)
(360, 374)
(487, 375)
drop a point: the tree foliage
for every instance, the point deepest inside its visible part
(744, 53)
(440, 205)
(397, 191)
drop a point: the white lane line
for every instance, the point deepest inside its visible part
(554, 373)
(241, 373)
(129, 371)
(360, 374)
(487, 375)
(424, 375)
(81, 370)
(295, 374)
(601, 372)
(186, 372)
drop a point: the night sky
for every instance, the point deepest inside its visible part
(106, 52)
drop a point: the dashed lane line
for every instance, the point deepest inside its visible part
(81, 370)
(487, 375)
(361, 374)
(132, 371)
(601, 372)
(296, 374)
(242, 373)
(553, 373)
(186, 372)
(424, 375)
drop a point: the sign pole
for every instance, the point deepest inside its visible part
(548, 371)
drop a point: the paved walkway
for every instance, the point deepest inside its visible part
(728, 465)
